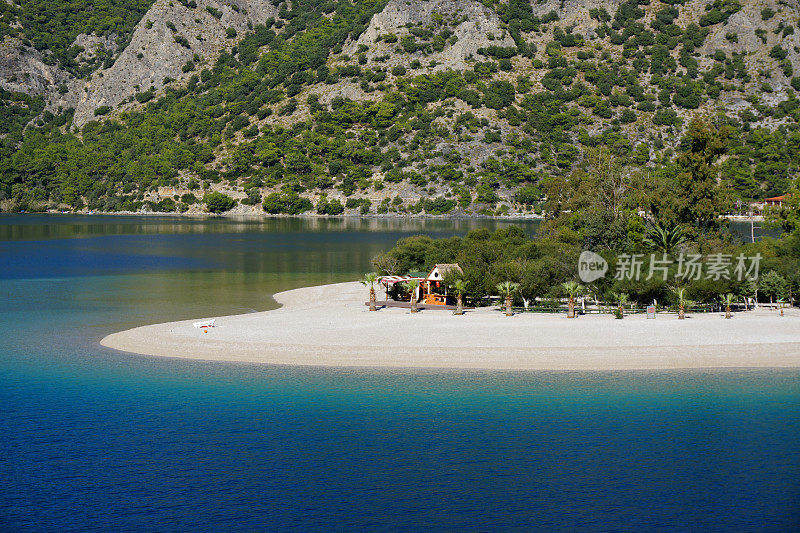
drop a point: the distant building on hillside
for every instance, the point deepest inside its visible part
(775, 201)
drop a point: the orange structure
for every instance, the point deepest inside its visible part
(434, 291)
(431, 291)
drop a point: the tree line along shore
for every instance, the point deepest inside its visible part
(647, 251)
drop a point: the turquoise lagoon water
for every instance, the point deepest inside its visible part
(94, 440)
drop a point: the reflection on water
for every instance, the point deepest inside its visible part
(29, 227)
(151, 269)
(53, 246)
(38, 226)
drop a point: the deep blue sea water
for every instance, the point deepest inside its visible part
(94, 440)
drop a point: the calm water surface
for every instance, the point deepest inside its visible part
(94, 440)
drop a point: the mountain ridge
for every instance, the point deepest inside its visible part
(409, 105)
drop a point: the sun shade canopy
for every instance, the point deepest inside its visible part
(389, 280)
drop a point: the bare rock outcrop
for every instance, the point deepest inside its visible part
(22, 69)
(575, 12)
(473, 26)
(739, 35)
(93, 45)
(167, 37)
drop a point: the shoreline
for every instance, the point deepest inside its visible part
(329, 326)
(264, 216)
(309, 215)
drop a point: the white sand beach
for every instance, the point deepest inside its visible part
(329, 325)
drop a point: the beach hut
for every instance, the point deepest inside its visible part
(393, 285)
(434, 290)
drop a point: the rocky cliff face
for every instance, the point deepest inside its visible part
(756, 37)
(472, 24)
(575, 13)
(174, 34)
(168, 37)
(22, 69)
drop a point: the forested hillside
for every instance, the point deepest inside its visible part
(405, 106)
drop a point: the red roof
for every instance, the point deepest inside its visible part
(776, 198)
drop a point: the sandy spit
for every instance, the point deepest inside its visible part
(329, 325)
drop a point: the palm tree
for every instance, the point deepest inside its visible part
(680, 293)
(727, 300)
(572, 288)
(507, 289)
(664, 238)
(412, 286)
(591, 291)
(460, 287)
(623, 301)
(370, 279)
(750, 290)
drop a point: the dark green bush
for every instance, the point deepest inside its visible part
(189, 198)
(528, 195)
(777, 52)
(329, 207)
(217, 202)
(289, 203)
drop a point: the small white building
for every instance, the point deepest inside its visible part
(434, 289)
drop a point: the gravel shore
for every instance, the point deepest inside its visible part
(329, 325)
